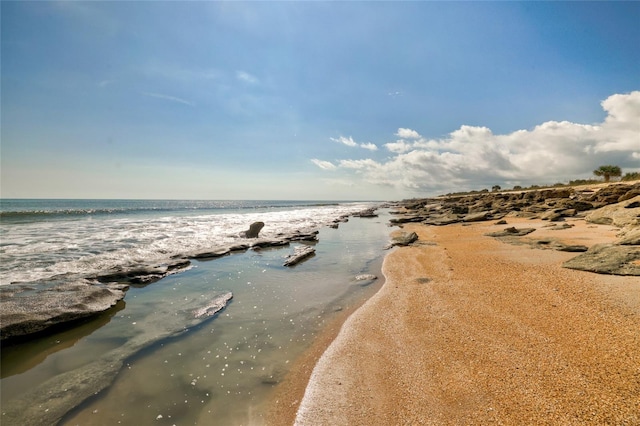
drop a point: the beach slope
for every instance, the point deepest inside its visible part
(471, 330)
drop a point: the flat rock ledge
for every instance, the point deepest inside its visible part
(299, 254)
(48, 402)
(608, 259)
(28, 309)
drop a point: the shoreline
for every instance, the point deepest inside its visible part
(464, 341)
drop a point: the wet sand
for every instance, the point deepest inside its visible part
(471, 330)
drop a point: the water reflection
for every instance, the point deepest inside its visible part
(19, 357)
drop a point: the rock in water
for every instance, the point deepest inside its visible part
(299, 254)
(214, 306)
(48, 402)
(366, 277)
(253, 230)
(28, 309)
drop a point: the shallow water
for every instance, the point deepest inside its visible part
(222, 371)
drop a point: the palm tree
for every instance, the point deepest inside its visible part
(607, 172)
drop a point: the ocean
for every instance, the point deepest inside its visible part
(222, 371)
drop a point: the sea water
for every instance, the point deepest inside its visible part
(222, 371)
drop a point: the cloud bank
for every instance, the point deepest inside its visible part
(474, 157)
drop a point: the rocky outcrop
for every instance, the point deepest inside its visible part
(608, 259)
(554, 205)
(621, 214)
(299, 254)
(63, 392)
(616, 205)
(33, 308)
(253, 231)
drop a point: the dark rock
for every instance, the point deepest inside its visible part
(34, 308)
(501, 222)
(572, 249)
(143, 275)
(264, 243)
(371, 212)
(310, 236)
(610, 194)
(407, 218)
(608, 259)
(253, 231)
(300, 253)
(511, 232)
(456, 209)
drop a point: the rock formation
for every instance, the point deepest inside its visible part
(253, 231)
(63, 392)
(300, 253)
(616, 205)
(28, 309)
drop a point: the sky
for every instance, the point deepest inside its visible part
(313, 100)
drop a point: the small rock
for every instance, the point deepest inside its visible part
(366, 277)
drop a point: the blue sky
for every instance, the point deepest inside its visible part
(313, 100)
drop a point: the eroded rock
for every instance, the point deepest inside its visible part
(33, 308)
(608, 259)
(299, 254)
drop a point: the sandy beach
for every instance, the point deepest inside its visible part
(468, 329)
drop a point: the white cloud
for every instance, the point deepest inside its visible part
(473, 157)
(368, 145)
(345, 141)
(407, 134)
(246, 77)
(350, 142)
(325, 165)
(399, 146)
(367, 164)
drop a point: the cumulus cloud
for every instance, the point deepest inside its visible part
(399, 146)
(407, 134)
(350, 142)
(325, 165)
(370, 146)
(473, 157)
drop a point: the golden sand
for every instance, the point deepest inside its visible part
(470, 330)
